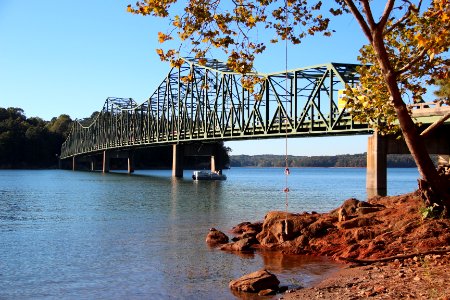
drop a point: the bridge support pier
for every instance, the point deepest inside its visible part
(74, 163)
(105, 168)
(92, 164)
(177, 160)
(130, 160)
(213, 163)
(376, 176)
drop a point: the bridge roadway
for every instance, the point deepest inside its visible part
(208, 103)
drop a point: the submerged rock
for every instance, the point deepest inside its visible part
(216, 237)
(267, 292)
(255, 282)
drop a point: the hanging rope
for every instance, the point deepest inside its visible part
(286, 170)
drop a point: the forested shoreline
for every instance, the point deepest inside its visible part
(335, 161)
(30, 143)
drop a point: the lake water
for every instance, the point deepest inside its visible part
(76, 235)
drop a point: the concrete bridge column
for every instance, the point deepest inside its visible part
(130, 159)
(105, 168)
(177, 160)
(376, 176)
(213, 163)
(74, 163)
(92, 164)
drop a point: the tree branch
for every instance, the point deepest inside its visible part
(360, 18)
(435, 125)
(369, 15)
(386, 13)
(412, 62)
(399, 21)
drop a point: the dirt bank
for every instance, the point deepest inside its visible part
(381, 227)
(415, 278)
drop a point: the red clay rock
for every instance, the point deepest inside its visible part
(350, 206)
(318, 228)
(359, 222)
(255, 282)
(366, 210)
(393, 227)
(274, 227)
(216, 237)
(247, 227)
(246, 235)
(240, 245)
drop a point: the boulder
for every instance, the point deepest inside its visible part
(352, 207)
(367, 210)
(274, 227)
(216, 237)
(318, 228)
(247, 227)
(349, 206)
(240, 245)
(255, 282)
(246, 235)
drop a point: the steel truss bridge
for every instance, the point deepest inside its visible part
(207, 103)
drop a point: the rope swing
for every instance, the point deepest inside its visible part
(286, 170)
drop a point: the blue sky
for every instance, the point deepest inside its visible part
(68, 56)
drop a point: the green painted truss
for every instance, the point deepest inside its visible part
(213, 106)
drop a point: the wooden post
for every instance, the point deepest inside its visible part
(376, 176)
(177, 160)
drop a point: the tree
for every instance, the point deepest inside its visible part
(30, 142)
(60, 125)
(408, 41)
(444, 90)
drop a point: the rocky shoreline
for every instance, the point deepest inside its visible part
(390, 229)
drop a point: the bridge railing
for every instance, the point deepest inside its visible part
(434, 108)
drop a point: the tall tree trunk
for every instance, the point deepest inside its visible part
(436, 188)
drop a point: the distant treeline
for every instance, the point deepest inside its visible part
(29, 143)
(337, 161)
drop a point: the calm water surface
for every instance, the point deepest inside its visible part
(67, 234)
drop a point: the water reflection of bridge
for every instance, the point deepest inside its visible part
(207, 104)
